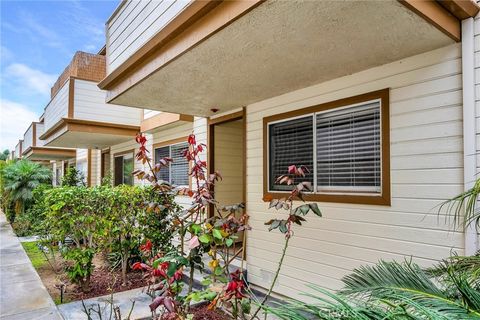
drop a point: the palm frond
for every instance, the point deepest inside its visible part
(407, 283)
(463, 208)
(467, 265)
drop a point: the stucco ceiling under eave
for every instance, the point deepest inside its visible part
(281, 46)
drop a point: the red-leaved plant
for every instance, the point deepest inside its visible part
(206, 227)
(198, 232)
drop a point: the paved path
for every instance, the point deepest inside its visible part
(22, 294)
(123, 300)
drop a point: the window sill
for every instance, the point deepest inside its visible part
(383, 200)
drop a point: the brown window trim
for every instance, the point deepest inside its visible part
(169, 143)
(378, 199)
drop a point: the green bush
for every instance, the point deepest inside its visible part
(156, 225)
(104, 218)
(73, 178)
(31, 222)
(77, 213)
(19, 179)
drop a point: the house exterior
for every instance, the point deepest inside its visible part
(378, 99)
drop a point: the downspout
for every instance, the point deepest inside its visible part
(469, 130)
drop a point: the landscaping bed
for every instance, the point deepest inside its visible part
(103, 280)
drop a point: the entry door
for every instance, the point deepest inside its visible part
(227, 150)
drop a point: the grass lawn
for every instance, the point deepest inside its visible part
(35, 255)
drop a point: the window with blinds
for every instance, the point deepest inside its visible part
(348, 149)
(291, 142)
(341, 147)
(177, 172)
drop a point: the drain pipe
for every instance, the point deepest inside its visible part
(469, 130)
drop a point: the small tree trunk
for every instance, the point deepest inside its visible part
(124, 269)
(85, 284)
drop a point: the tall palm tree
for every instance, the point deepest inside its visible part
(20, 178)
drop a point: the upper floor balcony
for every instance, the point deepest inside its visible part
(135, 22)
(196, 57)
(33, 148)
(77, 115)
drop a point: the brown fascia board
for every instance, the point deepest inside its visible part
(461, 9)
(78, 125)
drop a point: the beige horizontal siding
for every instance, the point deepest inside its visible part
(57, 108)
(135, 23)
(95, 167)
(426, 168)
(28, 138)
(89, 104)
(40, 131)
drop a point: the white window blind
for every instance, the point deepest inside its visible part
(343, 143)
(160, 153)
(348, 149)
(179, 166)
(177, 172)
(291, 142)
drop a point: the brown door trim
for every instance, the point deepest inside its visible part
(211, 153)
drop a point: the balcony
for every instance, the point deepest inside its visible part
(133, 23)
(229, 54)
(77, 115)
(34, 149)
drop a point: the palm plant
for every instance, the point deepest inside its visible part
(464, 207)
(20, 179)
(392, 290)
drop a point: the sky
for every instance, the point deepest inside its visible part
(37, 41)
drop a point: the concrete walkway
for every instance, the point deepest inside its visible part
(123, 300)
(22, 293)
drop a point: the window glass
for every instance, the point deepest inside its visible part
(128, 169)
(118, 179)
(291, 143)
(348, 148)
(343, 143)
(177, 172)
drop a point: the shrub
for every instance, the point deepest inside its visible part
(73, 178)
(77, 213)
(123, 226)
(20, 179)
(31, 222)
(155, 222)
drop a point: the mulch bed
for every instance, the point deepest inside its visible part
(103, 281)
(203, 313)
